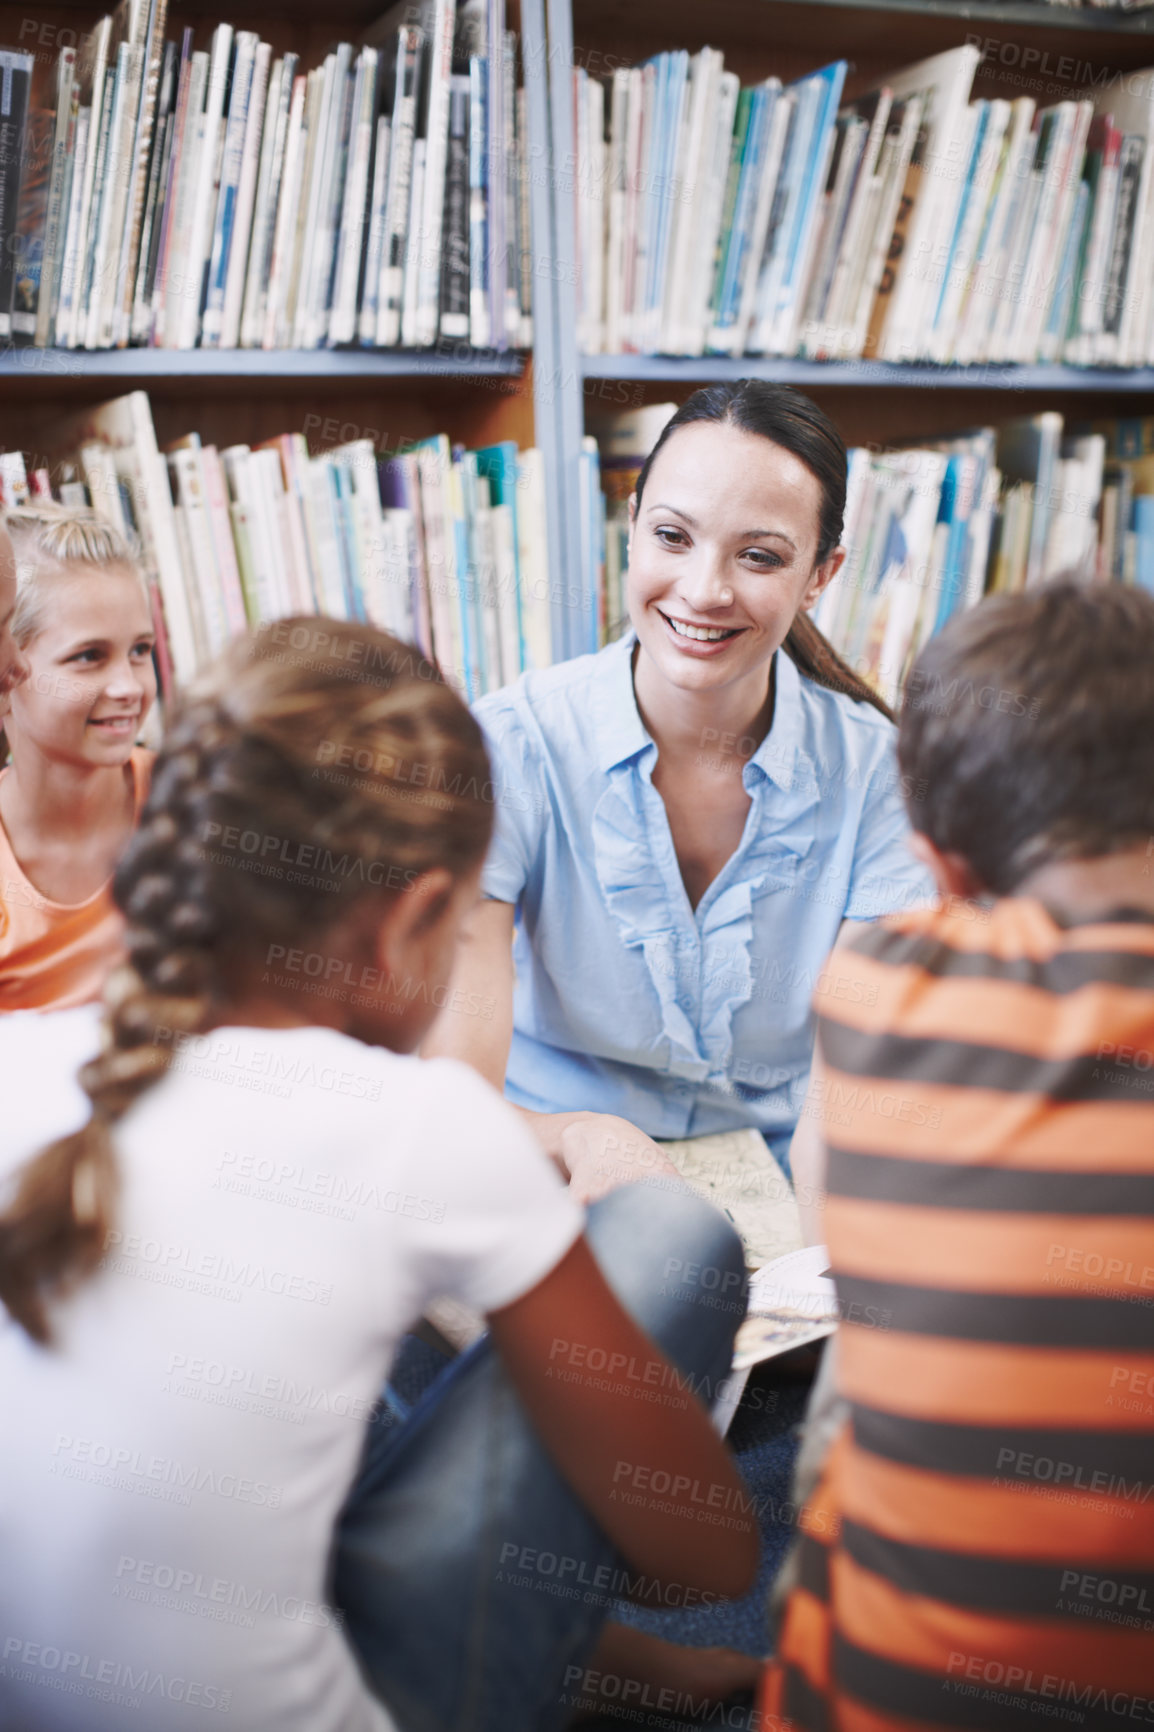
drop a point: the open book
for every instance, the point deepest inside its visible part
(735, 1171)
(791, 1299)
(792, 1303)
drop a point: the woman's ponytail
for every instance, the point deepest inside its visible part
(815, 657)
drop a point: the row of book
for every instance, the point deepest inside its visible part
(1101, 5)
(911, 224)
(931, 528)
(448, 547)
(442, 546)
(153, 192)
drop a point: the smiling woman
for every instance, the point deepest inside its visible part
(685, 820)
(70, 798)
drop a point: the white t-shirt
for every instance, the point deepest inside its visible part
(170, 1470)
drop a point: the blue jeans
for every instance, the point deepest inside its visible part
(469, 1574)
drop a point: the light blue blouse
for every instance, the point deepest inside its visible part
(628, 1000)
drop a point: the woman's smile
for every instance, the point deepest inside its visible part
(697, 639)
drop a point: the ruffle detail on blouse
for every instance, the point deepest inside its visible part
(635, 894)
(711, 967)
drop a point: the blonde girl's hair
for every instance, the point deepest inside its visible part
(48, 537)
(325, 743)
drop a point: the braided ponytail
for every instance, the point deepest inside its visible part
(244, 754)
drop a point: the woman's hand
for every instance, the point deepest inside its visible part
(599, 1152)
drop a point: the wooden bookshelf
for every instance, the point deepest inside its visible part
(868, 375)
(248, 395)
(1044, 50)
(548, 398)
(792, 37)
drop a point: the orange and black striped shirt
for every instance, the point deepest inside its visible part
(980, 1550)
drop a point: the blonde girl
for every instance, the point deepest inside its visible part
(260, 1189)
(71, 795)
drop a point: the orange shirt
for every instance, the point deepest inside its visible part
(56, 954)
(979, 1554)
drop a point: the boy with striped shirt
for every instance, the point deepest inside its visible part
(979, 1552)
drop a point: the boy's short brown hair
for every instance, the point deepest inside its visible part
(1027, 729)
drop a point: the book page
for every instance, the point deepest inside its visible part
(735, 1171)
(792, 1302)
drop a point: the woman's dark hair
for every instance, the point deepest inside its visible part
(1027, 730)
(307, 735)
(787, 418)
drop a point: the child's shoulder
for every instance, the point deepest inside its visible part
(1000, 928)
(1010, 936)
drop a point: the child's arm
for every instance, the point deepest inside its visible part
(615, 1450)
(476, 1024)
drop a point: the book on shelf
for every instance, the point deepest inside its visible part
(441, 546)
(32, 219)
(161, 193)
(913, 223)
(15, 88)
(932, 527)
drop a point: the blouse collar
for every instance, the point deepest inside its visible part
(619, 734)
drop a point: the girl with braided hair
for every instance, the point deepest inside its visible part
(70, 799)
(210, 1261)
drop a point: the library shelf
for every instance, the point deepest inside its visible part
(790, 37)
(341, 367)
(1094, 20)
(870, 375)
